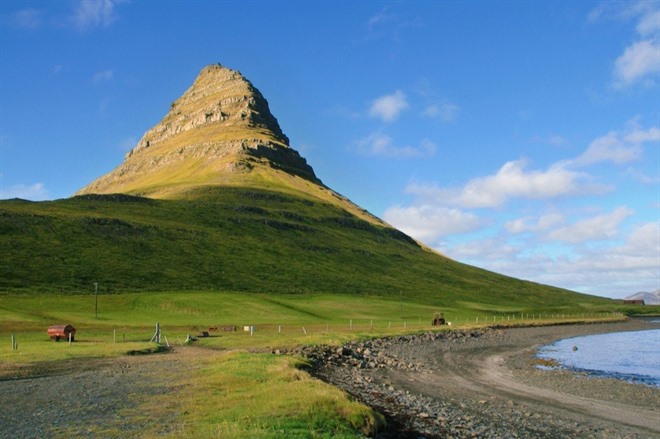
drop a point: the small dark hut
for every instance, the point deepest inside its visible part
(439, 319)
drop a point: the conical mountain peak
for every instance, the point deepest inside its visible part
(220, 127)
(218, 96)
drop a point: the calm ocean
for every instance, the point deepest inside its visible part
(631, 356)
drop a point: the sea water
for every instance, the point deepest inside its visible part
(631, 356)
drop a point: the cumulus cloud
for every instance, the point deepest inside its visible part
(638, 135)
(618, 147)
(644, 240)
(610, 269)
(445, 112)
(95, 13)
(492, 253)
(609, 147)
(643, 178)
(34, 192)
(512, 180)
(589, 252)
(529, 224)
(389, 107)
(599, 227)
(649, 24)
(428, 223)
(640, 60)
(382, 145)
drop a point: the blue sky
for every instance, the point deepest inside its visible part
(522, 137)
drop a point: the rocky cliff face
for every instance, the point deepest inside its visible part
(219, 127)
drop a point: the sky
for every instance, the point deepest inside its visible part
(518, 136)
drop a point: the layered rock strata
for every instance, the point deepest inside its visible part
(220, 126)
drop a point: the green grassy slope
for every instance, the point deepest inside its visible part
(238, 239)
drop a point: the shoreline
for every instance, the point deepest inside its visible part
(485, 383)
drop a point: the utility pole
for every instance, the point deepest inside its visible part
(96, 300)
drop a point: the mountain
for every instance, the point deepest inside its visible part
(220, 132)
(648, 298)
(214, 198)
(221, 126)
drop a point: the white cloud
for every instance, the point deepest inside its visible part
(511, 181)
(102, 76)
(609, 147)
(642, 178)
(35, 192)
(642, 136)
(588, 252)
(649, 24)
(639, 61)
(610, 270)
(428, 223)
(95, 13)
(645, 240)
(382, 145)
(446, 112)
(528, 224)
(618, 147)
(490, 252)
(389, 107)
(599, 227)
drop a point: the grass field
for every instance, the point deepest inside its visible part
(278, 321)
(253, 392)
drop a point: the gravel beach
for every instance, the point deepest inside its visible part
(485, 383)
(460, 384)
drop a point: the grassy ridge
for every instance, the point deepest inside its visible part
(239, 239)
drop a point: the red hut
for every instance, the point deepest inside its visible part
(57, 332)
